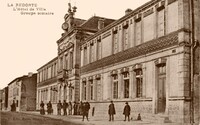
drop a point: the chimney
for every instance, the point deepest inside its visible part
(30, 74)
(128, 11)
(100, 24)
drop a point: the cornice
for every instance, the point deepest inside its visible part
(47, 82)
(145, 48)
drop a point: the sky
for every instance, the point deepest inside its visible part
(29, 41)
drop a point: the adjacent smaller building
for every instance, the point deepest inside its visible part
(22, 91)
(1, 91)
(4, 99)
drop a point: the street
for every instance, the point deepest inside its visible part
(34, 118)
(15, 118)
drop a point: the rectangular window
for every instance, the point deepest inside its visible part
(115, 89)
(91, 90)
(85, 56)
(98, 49)
(66, 61)
(84, 90)
(139, 82)
(126, 84)
(161, 23)
(61, 63)
(125, 38)
(138, 33)
(92, 52)
(71, 60)
(115, 86)
(172, 17)
(148, 25)
(98, 90)
(115, 42)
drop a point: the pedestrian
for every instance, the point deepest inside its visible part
(59, 107)
(42, 112)
(111, 111)
(85, 109)
(65, 106)
(126, 111)
(49, 108)
(13, 106)
(75, 106)
(70, 108)
(80, 106)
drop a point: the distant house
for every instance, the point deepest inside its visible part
(4, 98)
(22, 91)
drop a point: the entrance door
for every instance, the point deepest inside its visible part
(161, 94)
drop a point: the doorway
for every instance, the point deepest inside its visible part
(161, 97)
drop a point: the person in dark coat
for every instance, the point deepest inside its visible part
(59, 107)
(65, 106)
(80, 108)
(49, 107)
(75, 108)
(111, 111)
(42, 112)
(127, 110)
(85, 110)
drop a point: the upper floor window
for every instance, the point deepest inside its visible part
(125, 38)
(115, 42)
(91, 52)
(138, 30)
(71, 60)
(85, 56)
(61, 63)
(99, 49)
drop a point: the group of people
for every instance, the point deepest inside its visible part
(112, 112)
(81, 108)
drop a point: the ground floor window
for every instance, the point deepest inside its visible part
(91, 90)
(126, 88)
(115, 89)
(84, 90)
(139, 82)
(98, 90)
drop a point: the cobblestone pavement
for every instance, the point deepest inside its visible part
(34, 118)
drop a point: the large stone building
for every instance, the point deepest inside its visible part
(149, 58)
(63, 84)
(22, 91)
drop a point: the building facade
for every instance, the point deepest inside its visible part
(22, 91)
(148, 58)
(47, 89)
(64, 84)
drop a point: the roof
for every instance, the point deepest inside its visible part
(78, 21)
(48, 63)
(20, 78)
(92, 23)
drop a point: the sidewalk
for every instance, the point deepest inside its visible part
(99, 121)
